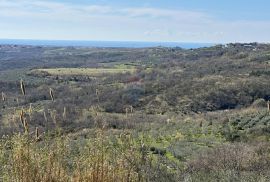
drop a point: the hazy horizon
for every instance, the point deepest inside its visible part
(97, 43)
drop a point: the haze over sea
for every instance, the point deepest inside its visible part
(125, 44)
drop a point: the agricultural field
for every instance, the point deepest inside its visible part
(142, 114)
(84, 71)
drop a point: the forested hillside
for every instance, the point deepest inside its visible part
(135, 114)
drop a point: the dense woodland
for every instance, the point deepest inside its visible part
(173, 115)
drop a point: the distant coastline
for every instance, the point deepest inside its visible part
(123, 44)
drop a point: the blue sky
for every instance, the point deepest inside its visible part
(211, 21)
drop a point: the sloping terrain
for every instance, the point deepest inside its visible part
(174, 110)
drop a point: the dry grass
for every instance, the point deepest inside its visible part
(22, 87)
(3, 97)
(61, 159)
(33, 157)
(233, 162)
(51, 94)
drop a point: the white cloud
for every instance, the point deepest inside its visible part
(54, 20)
(31, 7)
(163, 13)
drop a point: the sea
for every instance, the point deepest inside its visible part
(112, 44)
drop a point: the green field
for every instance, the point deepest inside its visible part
(85, 71)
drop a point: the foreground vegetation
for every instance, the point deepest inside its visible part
(155, 114)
